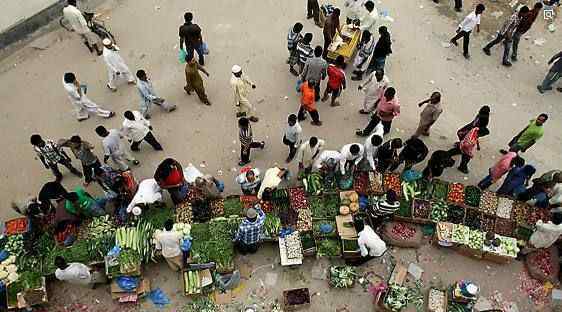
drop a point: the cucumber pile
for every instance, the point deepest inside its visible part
(313, 184)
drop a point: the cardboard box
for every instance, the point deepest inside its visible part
(345, 227)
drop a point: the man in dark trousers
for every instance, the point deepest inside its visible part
(553, 74)
(505, 35)
(331, 27)
(524, 25)
(313, 10)
(470, 22)
(190, 34)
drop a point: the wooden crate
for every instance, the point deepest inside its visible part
(446, 299)
(296, 306)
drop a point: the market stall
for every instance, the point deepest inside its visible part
(344, 43)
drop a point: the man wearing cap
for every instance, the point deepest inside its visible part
(249, 231)
(241, 86)
(116, 66)
(249, 180)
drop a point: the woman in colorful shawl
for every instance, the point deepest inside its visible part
(466, 147)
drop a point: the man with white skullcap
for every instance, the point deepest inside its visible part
(116, 66)
(241, 86)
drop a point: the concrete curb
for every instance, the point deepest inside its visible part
(28, 26)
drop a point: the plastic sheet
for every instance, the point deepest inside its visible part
(127, 283)
(159, 298)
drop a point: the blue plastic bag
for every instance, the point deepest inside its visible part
(185, 245)
(205, 48)
(298, 86)
(127, 283)
(220, 185)
(181, 56)
(4, 254)
(159, 298)
(114, 252)
(411, 175)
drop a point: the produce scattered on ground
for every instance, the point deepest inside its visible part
(472, 219)
(375, 182)
(476, 240)
(504, 227)
(184, 213)
(392, 182)
(456, 193)
(436, 300)
(440, 189)
(520, 212)
(200, 304)
(399, 297)
(233, 206)
(488, 223)
(361, 183)
(342, 276)
(293, 246)
(313, 184)
(403, 230)
(455, 214)
(505, 205)
(542, 259)
(439, 211)
(489, 202)
(297, 197)
(318, 224)
(536, 214)
(472, 196)
(461, 234)
(421, 208)
(217, 207)
(328, 248)
(272, 225)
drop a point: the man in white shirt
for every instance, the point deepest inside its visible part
(116, 67)
(353, 10)
(249, 180)
(112, 147)
(77, 273)
(372, 144)
(80, 26)
(374, 88)
(352, 154)
(82, 104)
(328, 161)
(149, 97)
(471, 21)
(292, 137)
(168, 241)
(138, 129)
(370, 244)
(369, 18)
(271, 180)
(307, 152)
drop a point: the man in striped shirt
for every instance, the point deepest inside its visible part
(247, 140)
(387, 206)
(51, 155)
(305, 50)
(505, 34)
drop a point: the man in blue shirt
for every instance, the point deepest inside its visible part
(249, 231)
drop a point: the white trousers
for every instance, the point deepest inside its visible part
(113, 77)
(84, 107)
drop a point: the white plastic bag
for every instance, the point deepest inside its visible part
(191, 173)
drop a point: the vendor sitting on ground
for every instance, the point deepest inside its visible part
(49, 192)
(147, 193)
(547, 233)
(249, 180)
(82, 204)
(78, 273)
(118, 187)
(249, 232)
(169, 176)
(328, 162)
(168, 241)
(271, 180)
(370, 244)
(209, 187)
(385, 207)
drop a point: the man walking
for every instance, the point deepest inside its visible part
(313, 11)
(553, 74)
(383, 48)
(524, 25)
(315, 70)
(241, 84)
(83, 106)
(193, 79)
(190, 35)
(369, 18)
(116, 67)
(331, 27)
(336, 81)
(292, 137)
(51, 155)
(429, 114)
(247, 141)
(149, 97)
(80, 26)
(373, 88)
(138, 129)
(530, 135)
(112, 148)
(305, 51)
(308, 104)
(293, 38)
(388, 108)
(82, 150)
(505, 34)
(470, 22)
(307, 153)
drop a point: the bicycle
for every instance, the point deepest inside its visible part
(96, 26)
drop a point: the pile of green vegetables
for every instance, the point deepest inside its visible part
(313, 184)
(316, 205)
(138, 238)
(405, 209)
(100, 227)
(272, 225)
(331, 205)
(128, 260)
(200, 304)
(440, 189)
(328, 248)
(399, 297)
(158, 216)
(439, 211)
(472, 196)
(342, 276)
(233, 206)
(212, 241)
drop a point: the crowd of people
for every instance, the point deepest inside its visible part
(379, 151)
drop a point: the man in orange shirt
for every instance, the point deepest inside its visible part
(308, 104)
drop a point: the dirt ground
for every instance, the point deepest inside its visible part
(253, 35)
